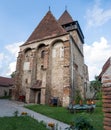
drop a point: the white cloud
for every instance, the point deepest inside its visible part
(1, 56)
(1, 59)
(11, 68)
(96, 55)
(14, 48)
(8, 58)
(96, 16)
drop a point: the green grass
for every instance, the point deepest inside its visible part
(62, 114)
(5, 97)
(20, 123)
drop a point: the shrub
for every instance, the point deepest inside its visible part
(80, 123)
(16, 113)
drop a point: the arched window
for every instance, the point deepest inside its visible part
(42, 54)
(27, 59)
(27, 53)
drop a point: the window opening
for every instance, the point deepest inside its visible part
(42, 54)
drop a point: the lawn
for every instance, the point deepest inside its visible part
(62, 114)
(20, 123)
(5, 97)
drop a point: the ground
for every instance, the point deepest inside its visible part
(8, 107)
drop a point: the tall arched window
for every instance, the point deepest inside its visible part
(42, 53)
(57, 68)
(27, 55)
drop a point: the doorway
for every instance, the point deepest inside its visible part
(38, 97)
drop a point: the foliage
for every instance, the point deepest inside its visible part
(64, 115)
(99, 103)
(99, 95)
(16, 113)
(5, 97)
(13, 74)
(21, 123)
(96, 86)
(80, 123)
(78, 97)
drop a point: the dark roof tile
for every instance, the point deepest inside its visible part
(65, 18)
(4, 81)
(105, 67)
(48, 27)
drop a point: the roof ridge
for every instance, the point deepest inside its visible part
(48, 27)
(65, 18)
(5, 77)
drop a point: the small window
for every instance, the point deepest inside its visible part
(42, 54)
(42, 66)
(76, 66)
(26, 81)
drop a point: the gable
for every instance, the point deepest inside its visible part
(65, 18)
(47, 28)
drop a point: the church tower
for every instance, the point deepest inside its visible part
(51, 62)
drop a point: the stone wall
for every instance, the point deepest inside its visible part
(4, 90)
(106, 89)
(78, 63)
(18, 77)
(50, 62)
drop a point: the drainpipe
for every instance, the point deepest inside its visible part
(71, 67)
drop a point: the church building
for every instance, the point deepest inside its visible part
(50, 63)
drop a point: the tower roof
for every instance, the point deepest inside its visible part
(47, 28)
(65, 18)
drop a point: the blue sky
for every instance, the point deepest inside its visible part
(18, 18)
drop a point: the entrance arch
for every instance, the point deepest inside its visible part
(39, 98)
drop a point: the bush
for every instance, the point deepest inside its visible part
(80, 123)
(99, 95)
(16, 113)
(99, 103)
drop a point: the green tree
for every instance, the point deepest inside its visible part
(95, 85)
(13, 74)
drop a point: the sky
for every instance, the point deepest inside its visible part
(18, 19)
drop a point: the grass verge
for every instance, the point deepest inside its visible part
(62, 114)
(5, 97)
(20, 123)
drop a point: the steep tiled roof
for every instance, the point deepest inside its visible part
(105, 67)
(65, 18)
(48, 27)
(6, 82)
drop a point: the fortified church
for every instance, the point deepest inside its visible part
(50, 63)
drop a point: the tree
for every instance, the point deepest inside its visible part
(13, 74)
(95, 85)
